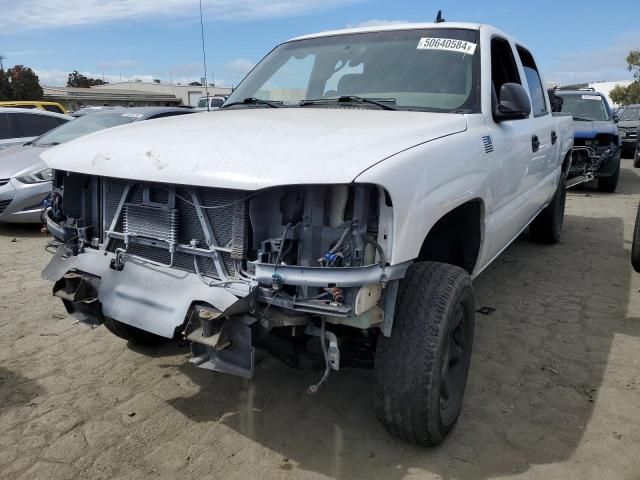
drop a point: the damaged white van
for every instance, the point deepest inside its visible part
(360, 180)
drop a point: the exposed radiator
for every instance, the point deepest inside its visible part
(184, 227)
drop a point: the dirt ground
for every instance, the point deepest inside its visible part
(553, 393)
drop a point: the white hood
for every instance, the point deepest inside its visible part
(250, 149)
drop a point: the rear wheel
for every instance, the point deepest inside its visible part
(547, 226)
(636, 157)
(133, 334)
(421, 371)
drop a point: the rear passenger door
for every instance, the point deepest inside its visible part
(545, 147)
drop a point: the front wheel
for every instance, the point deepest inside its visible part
(636, 157)
(133, 334)
(420, 371)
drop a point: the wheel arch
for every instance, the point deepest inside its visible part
(457, 237)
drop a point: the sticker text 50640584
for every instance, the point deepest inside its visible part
(447, 44)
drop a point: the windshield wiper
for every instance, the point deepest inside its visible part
(578, 119)
(254, 101)
(380, 102)
(52, 144)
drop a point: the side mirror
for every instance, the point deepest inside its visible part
(514, 103)
(616, 118)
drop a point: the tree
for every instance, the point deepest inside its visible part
(195, 84)
(633, 63)
(76, 79)
(6, 92)
(25, 84)
(626, 95)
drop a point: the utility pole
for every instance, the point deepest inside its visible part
(2, 57)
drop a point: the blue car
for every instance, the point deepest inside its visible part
(597, 146)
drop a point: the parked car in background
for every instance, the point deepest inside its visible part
(333, 211)
(19, 126)
(628, 123)
(54, 107)
(597, 140)
(81, 112)
(25, 181)
(214, 103)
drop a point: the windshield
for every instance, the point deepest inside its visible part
(431, 69)
(585, 107)
(83, 126)
(630, 114)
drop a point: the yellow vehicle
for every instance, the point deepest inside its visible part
(49, 106)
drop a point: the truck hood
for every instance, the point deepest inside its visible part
(15, 160)
(253, 148)
(591, 129)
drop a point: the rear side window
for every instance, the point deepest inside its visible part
(5, 129)
(216, 102)
(503, 64)
(536, 91)
(53, 108)
(36, 125)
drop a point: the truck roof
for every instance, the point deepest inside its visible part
(399, 26)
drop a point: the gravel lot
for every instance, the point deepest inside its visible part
(554, 387)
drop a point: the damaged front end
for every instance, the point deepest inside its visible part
(593, 157)
(229, 270)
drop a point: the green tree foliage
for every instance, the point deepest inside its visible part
(25, 84)
(633, 63)
(76, 79)
(195, 84)
(6, 93)
(630, 94)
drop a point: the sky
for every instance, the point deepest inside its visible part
(574, 41)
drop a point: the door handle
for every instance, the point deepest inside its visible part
(554, 138)
(535, 143)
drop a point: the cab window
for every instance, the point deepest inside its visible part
(536, 91)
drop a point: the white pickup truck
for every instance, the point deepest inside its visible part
(360, 180)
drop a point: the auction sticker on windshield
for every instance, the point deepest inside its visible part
(448, 44)
(591, 97)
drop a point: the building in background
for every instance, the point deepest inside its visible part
(74, 98)
(130, 94)
(188, 94)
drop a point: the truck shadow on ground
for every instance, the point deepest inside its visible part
(16, 391)
(538, 363)
(19, 230)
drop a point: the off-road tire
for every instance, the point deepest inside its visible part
(609, 184)
(133, 334)
(635, 246)
(410, 365)
(547, 226)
